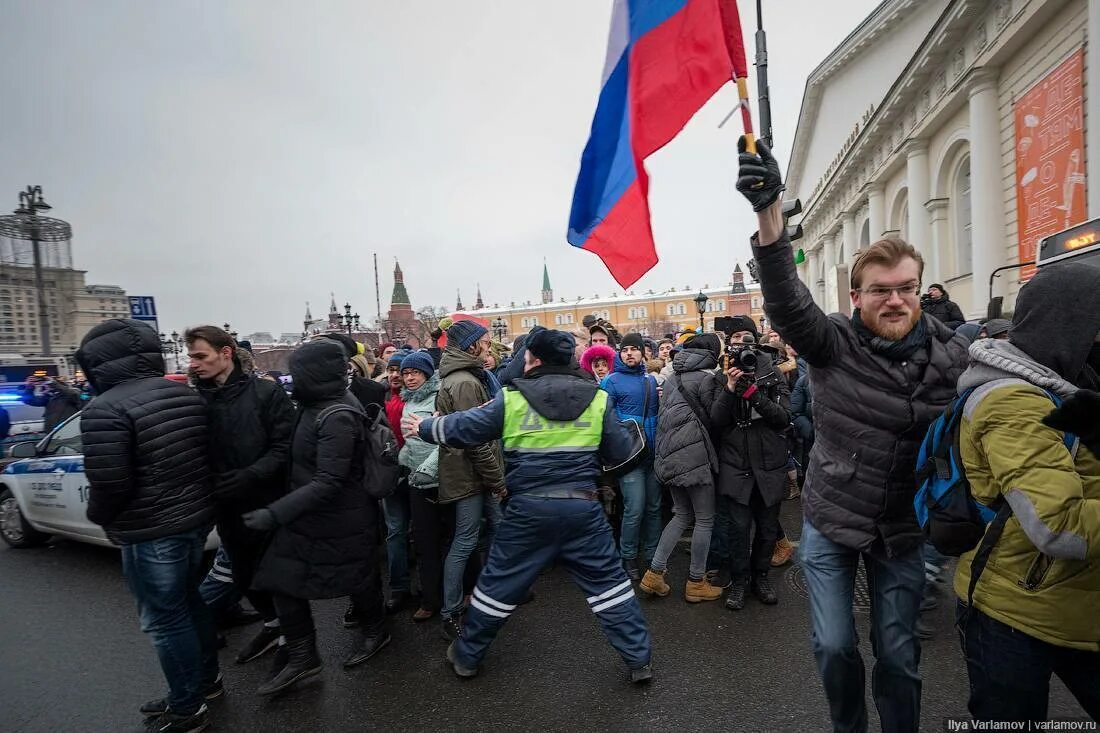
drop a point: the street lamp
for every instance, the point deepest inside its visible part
(25, 223)
(701, 303)
(173, 346)
(232, 334)
(500, 327)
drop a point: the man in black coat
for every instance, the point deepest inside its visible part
(145, 456)
(251, 424)
(60, 400)
(937, 304)
(325, 541)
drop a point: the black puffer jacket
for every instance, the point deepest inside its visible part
(870, 413)
(145, 451)
(251, 425)
(944, 310)
(753, 449)
(322, 546)
(685, 456)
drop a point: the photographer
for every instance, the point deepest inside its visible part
(60, 400)
(936, 304)
(752, 414)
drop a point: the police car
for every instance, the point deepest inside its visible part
(44, 492)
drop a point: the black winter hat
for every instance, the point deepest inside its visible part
(632, 339)
(552, 347)
(744, 323)
(706, 341)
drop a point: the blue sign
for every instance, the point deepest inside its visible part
(144, 308)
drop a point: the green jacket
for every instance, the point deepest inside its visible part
(417, 455)
(1043, 576)
(465, 471)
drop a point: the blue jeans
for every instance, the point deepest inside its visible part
(164, 576)
(396, 509)
(1010, 671)
(641, 513)
(468, 513)
(895, 586)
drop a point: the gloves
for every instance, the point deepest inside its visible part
(758, 177)
(744, 387)
(230, 484)
(1080, 415)
(261, 520)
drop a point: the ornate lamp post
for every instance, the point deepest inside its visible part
(173, 346)
(25, 223)
(350, 320)
(701, 303)
(500, 328)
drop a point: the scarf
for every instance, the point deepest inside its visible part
(900, 350)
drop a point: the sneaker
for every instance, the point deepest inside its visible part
(782, 553)
(735, 601)
(719, 578)
(423, 614)
(153, 708)
(261, 644)
(351, 617)
(641, 675)
(451, 628)
(169, 722)
(460, 670)
(653, 584)
(762, 589)
(631, 567)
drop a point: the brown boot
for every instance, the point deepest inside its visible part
(782, 553)
(653, 583)
(793, 492)
(697, 591)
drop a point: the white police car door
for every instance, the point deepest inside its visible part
(55, 485)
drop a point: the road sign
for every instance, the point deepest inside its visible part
(144, 308)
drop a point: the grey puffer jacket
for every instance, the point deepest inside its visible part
(685, 454)
(870, 413)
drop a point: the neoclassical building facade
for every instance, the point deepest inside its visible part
(961, 126)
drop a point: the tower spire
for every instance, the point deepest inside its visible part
(547, 291)
(309, 316)
(400, 295)
(458, 302)
(479, 304)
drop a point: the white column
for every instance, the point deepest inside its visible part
(813, 282)
(916, 180)
(829, 304)
(987, 205)
(1092, 109)
(937, 268)
(851, 237)
(876, 205)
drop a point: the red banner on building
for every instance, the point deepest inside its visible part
(1050, 157)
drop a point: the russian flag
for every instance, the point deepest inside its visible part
(665, 59)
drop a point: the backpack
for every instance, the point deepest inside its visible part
(951, 518)
(381, 470)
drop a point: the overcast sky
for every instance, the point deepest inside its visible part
(236, 159)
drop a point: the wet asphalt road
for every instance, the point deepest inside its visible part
(72, 658)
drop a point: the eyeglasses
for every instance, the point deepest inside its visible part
(878, 292)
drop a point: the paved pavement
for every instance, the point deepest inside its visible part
(72, 658)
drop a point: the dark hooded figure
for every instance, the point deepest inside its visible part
(325, 536)
(938, 304)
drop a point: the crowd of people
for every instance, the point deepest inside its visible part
(597, 452)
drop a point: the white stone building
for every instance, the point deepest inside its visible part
(910, 128)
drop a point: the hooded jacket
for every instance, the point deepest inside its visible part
(61, 401)
(420, 457)
(323, 545)
(685, 455)
(465, 471)
(870, 413)
(558, 394)
(251, 423)
(144, 436)
(944, 310)
(633, 395)
(1043, 574)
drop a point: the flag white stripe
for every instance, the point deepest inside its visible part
(607, 594)
(614, 601)
(617, 39)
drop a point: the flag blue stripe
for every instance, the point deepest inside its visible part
(645, 15)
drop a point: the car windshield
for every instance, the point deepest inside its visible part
(65, 441)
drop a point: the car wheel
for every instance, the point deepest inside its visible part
(13, 527)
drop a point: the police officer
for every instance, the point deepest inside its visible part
(557, 434)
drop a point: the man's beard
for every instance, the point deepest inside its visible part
(892, 331)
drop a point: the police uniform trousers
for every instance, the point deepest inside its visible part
(574, 534)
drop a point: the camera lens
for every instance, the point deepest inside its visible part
(748, 360)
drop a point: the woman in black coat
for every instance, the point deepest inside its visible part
(325, 529)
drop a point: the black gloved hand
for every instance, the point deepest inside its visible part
(261, 520)
(758, 176)
(230, 484)
(1080, 415)
(745, 386)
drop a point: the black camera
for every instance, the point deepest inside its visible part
(744, 355)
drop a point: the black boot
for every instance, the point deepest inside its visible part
(351, 617)
(302, 662)
(261, 644)
(762, 589)
(735, 601)
(631, 567)
(366, 645)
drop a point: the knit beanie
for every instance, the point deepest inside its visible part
(382, 348)
(465, 334)
(632, 339)
(396, 358)
(420, 360)
(743, 323)
(552, 347)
